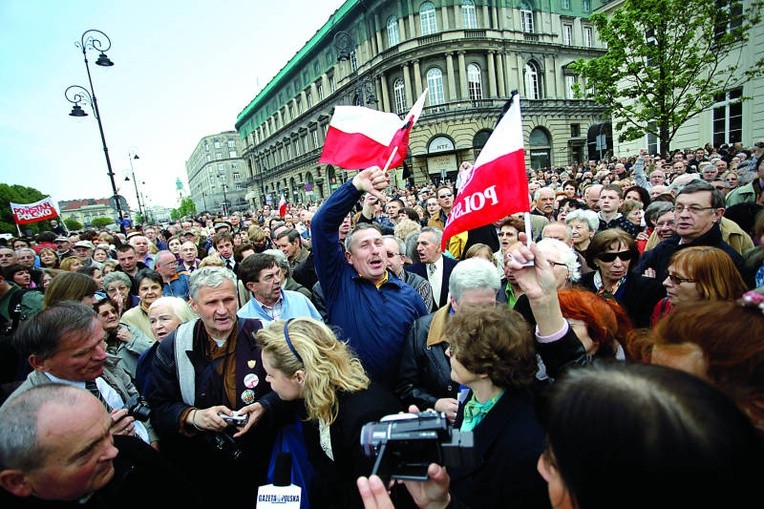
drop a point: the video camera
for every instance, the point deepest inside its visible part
(406, 444)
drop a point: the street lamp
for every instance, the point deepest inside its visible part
(132, 155)
(75, 94)
(225, 198)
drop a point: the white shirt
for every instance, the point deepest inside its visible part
(435, 279)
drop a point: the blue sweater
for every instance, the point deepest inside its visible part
(373, 321)
(293, 305)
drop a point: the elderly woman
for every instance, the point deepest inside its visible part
(583, 224)
(48, 258)
(699, 273)
(117, 287)
(122, 340)
(613, 253)
(149, 284)
(492, 354)
(306, 363)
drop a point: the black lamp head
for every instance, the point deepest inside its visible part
(77, 111)
(104, 61)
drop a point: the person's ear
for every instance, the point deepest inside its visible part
(15, 482)
(299, 376)
(37, 363)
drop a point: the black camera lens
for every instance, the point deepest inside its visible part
(138, 408)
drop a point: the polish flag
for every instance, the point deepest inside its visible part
(360, 137)
(282, 206)
(498, 184)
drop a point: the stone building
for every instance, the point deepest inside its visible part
(217, 173)
(470, 54)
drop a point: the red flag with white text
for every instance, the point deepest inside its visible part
(33, 212)
(360, 137)
(497, 185)
(282, 206)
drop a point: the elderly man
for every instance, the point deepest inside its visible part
(84, 250)
(544, 200)
(174, 283)
(262, 275)
(64, 343)
(424, 376)
(289, 242)
(189, 257)
(372, 310)
(697, 211)
(141, 245)
(63, 247)
(207, 369)
(395, 249)
(433, 266)
(7, 257)
(57, 451)
(592, 196)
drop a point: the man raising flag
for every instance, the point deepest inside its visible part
(497, 185)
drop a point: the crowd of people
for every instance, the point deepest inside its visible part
(621, 344)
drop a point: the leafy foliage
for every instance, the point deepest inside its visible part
(72, 224)
(100, 222)
(666, 61)
(186, 208)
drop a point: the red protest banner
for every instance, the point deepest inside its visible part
(33, 212)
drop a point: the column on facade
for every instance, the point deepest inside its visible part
(465, 95)
(491, 75)
(417, 79)
(520, 74)
(407, 84)
(551, 88)
(458, 18)
(412, 20)
(487, 15)
(501, 78)
(401, 21)
(451, 77)
(378, 33)
(303, 101)
(495, 16)
(385, 98)
(444, 17)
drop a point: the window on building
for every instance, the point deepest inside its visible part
(565, 4)
(231, 144)
(475, 83)
(296, 144)
(393, 36)
(314, 136)
(353, 61)
(232, 154)
(320, 91)
(526, 18)
(650, 40)
(586, 5)
(299, 105)
(427, 20)
(217, 144)
(331, 84)
(290, 112)
(652, 138)
(575, 130)
(469, 17)
(532, 81)
(570, 80)
(209, 158)
(567, 35)
(587, 37)
(729, 18)
(435, 84)
(399, 96)
(218, 156)
(309, 99)
(236, 176)
(728, 117)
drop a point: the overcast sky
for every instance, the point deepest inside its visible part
(183, 70)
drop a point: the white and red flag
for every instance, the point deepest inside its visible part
(24, 213)
(282, 206)
(360, 137)
(498, 184)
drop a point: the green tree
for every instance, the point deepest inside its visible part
(72, 224)
(18, 194)
(187, 207)
(667, 61)
(100, 222)
(175, 214)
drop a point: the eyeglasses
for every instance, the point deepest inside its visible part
(624, 256)
(393, 255)
(559, 264)
(449, 195)
(692, 209)
(676, 280)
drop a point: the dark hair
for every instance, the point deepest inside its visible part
(292, 235)
(602, 241)
(612, 426)
(12, 269)
(148, 274)
(643, 193)
(219, 237)
(698, 185)
(238, 250)
(89, 270)
(251, 266)
(41, 334)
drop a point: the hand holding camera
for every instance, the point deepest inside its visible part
(235, 419)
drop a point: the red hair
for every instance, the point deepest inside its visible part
(606, 321)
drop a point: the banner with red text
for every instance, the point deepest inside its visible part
(497, 185)
(25, 213)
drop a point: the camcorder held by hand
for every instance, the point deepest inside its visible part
(405, 444)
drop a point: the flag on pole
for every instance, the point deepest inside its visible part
(282, 206)
(498, 184)
(360, 137)
(33, 212)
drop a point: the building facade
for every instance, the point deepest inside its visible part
(470, 54)
(84, 211)
(217, 172)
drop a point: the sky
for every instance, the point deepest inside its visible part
(183, 69)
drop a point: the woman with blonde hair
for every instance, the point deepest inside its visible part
(70, 263)
(696, 274)
(306, 363)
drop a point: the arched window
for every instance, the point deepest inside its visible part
(427, 20)
(435, 84)
(475, 82)
(526, 18)
(393, 37)
(532, 81)
(399, 95)
(468, 14)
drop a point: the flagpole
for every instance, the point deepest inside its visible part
(390, 159)
(528, 230)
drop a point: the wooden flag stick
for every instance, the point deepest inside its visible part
(390, 159)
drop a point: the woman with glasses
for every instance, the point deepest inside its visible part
(613, 253)
(696, 274)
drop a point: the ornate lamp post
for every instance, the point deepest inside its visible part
(141, 209)
(75, 94)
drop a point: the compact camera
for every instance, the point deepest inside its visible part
(405, 444)
(235, 420)
(138, 408)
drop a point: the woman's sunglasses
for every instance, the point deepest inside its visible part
(624, 256)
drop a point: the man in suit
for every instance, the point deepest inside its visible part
(433, 266)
